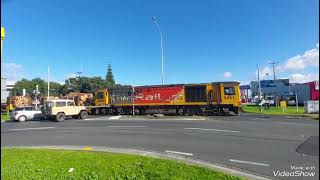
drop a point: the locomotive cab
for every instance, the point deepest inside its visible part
(102, 97)
(230, 96)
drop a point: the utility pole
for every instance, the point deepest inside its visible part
(48, 83)
(273, 69)
(259, 81)
(80, 72)
(260, 102)
(297, 101)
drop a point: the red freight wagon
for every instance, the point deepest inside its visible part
(156, 95)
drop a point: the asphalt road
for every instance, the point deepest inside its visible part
(253, 143)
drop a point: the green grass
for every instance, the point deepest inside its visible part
(19, 163)
(290, 110)
(4, 117)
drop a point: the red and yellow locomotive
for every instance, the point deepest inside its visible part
(183, 99)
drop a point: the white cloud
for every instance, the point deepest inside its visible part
(12, 71)
(227, 74)
(303, 78)
(296, 68)
(310, 58)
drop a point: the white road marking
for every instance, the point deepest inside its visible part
(126, 126)
(292, 123)
(39, 128)
(103, 118)
(97, 119)
(91, 119)
(181, 153)
(223, 130)
(248, 162)
(115, 117)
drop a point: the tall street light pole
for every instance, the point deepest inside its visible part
(48, 82)
(156, 23)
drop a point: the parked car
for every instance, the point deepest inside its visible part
(270, 100)
(26, 113)
(291, 102)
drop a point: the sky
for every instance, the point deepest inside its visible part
(203, 41)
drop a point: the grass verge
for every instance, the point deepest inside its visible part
(4, 117)
(17, 163)
(290, 111)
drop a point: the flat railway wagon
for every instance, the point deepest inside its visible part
(183, 99)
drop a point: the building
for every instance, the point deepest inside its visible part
(314, 90)
(277, 89)
(281, 89)
(245, 93)
(305, 92)
(5, 89)
(302, 91)
(4, 92)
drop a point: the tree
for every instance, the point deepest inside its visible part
(31, 85)
(109, 76)
(85, 84)
(54, 89)
(78, 84)
(19, 86)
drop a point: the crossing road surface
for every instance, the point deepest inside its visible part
(264, 145)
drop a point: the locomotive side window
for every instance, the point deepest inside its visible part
(100, 95)
(229, 91)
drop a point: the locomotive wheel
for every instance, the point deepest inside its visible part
(104, 111)
(180, 112)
